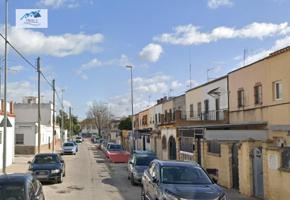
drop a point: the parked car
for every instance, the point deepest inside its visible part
(69, 148)
(79, 139)
(146, 152)
(137, 165)
(77, 146)
(48, 167)
(20, 186)
(98, 143)
(117, 154)
(169, 180)
(104, 145)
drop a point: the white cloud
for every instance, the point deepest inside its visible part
(213, 4)
(95, 63)
(257, 55)
(151, 52)
(155, 86)
(59, 3)
(191, 35)
(15, 69)
(36, 43)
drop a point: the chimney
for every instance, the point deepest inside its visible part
(11, 107)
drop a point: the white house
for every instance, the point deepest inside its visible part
(26, 131)
(10, 135)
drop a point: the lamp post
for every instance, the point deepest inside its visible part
(132, 103)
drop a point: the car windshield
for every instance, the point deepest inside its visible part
(115, 147)
(144, 160)
(45, 159)
(12, 191)
(68, 144)
(184, 175)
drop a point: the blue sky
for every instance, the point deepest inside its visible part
(88, 43)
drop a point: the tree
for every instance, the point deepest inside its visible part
(100, 114)
(75, 123)
(125, 124)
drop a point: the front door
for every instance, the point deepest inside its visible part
(235, 166)
(172, 148)
(258, 180)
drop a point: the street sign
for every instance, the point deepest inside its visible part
(8, 123)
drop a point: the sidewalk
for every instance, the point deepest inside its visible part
(20, 164)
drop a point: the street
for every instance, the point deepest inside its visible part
(90, 176)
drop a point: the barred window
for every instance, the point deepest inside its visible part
(186, 144)
(213, 147)
(19, 139)
(286, 158)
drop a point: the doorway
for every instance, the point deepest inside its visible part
(172, 148)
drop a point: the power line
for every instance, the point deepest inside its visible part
(33, 66)
(19, 53)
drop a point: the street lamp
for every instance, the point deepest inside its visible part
(132, 103)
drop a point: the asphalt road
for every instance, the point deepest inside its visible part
(89, 176)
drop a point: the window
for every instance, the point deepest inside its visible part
(199, 108)
(1, 137)
(155, 118)
(286, 158)
(19, 139)
(277, 87)
(159, 117)
(170, 115)
(241, 96)
(191, 111)
(258, 94)
(213, 147)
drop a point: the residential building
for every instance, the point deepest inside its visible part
(26, 131)
(88, 126)
(10, 136)
(260, 102)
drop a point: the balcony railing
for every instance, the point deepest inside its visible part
(213, 115)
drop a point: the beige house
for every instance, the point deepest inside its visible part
(260, 102)
(260, 92)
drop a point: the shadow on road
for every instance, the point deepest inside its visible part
(118, 177)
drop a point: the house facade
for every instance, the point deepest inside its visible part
(26, 131)
(10, 136)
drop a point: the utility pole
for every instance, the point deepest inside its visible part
(5, 90)
(38, 108)
(70, 123)
(53, 115)
(62, 117)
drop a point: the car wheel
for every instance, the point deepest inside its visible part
(132, 180)
(60, 178)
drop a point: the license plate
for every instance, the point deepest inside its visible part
(41, 176)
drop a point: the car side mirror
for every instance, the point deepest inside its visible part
(214, 180)
(29, 162)
(62, 161)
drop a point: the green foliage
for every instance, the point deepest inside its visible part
(125, 124)
(75, 124)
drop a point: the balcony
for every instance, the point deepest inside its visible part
(213, 115)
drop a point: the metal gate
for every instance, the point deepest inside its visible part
(258, 181)
(172, 148)
(235, 166)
